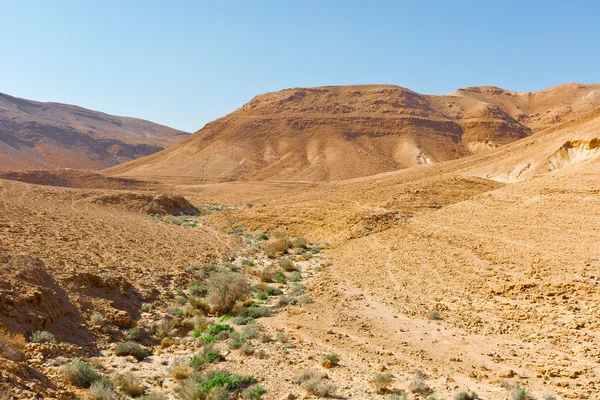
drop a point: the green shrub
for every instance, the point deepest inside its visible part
(247, 349)
(42, 337)
(218, 328)
(319, 387)
(103, 389)
(433, 314)
(80, 374)
(299, 243)
(295, 276)
(146, 307)
(262, 236)
(466, 396)
(129, 384)
(131, 349)
(314, 250)
(254, 312)
(199, 387)
(197, 289)
(135, 334)
(249, 332)
(97, 319)
(520, 393)
(280, 277)
(164, 329)
(210, 355)
(225, 289)
(254, 393)
(273, 291)
(243, 320)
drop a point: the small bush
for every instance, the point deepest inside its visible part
(295, 276)
(267, 274)
(136, 334)
(180, 369)
(164, 329)
(254, 312)
(42, 337)
(210, 355)
(129, 384)
(466, 396)
(520, 393)
(103, 389)
(248, 349)
(383, 381)
(243, 320)
(80, 374)
(199, 387)
(332, 358)
(218, 328)
(287, 264)
(12, 345)
(97, 319)
(433, 314)
(319, 387)
(249, 332)
(146, 307)
(254, 393)
(197, 289)
(278, 245)
(299, 243)
(225, 289)
(280, 277)
(217, 393)
(131, 349)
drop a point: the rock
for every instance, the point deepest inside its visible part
(327, 364)
(507, 373)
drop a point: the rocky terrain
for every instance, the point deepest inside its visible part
(36, 135)
(476, 274)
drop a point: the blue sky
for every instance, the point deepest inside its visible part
(185, 63)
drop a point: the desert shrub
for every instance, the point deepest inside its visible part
(12, 345)
(199, 387)
(129, 384)
(209, 355)
(200, 323)
(80, 374)
(280, 277)
(520, 393)
(254, 393)
(278, 245)
(299, 243)
(249, 332)
(97, 319)
(243, 320)
(42, 337)
(262, 236)
(433, 314)
(181, 300)
(247, 349)
(235, 341)
(287, 265)
(383, 381)
(197, 289)
(332, 358)
(273, 291)
(466, 396)
(103, 389)
(136, 334)
(262, 295)
(131, 349)
(319, 387)
(419, 386)
(164, 329)
(304, 299)
(254, 312)
(267, 274)
(218, 328)
(295, 276)
(225, 289)
(146, 307)
(550, 397)
(217, 393)
(180, 369)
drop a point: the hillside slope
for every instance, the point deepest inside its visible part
(36, 135)
(342, 132)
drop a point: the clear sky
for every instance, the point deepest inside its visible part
(185, 63)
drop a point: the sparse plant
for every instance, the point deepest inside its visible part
(154, 396)
(146, 307)
(433, 314)
(254, 312)
(103, 389)
(97, 319)
(319, 387)
(299, 243)
(129, 384)
(469, 395)
(249, 332)
(287, 264)
(42, 337)
(383, 382)
(550, 397)
(295, 276)
(197, 289)
(243, 320)
(254, 393)
(80, 373)
(164, 329)
(333, 359)
(131, 349)
(181, 369)
(247, 349)
(12, 345)
(419, 386)
(520, 393)
(276, 246)
(135, 334)
(225, 289)
(199, 387)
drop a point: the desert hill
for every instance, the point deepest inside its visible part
(36, 135)
(342, 132)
